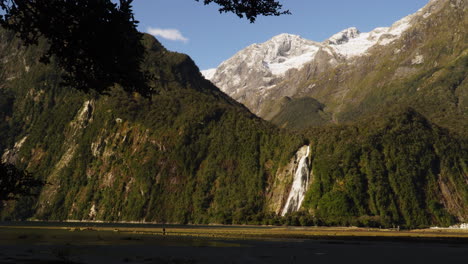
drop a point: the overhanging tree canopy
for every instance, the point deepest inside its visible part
(249, 8)
(15, 182)
(96, 42)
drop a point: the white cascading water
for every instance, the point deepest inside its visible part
(299, 186)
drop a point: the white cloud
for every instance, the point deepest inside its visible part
(169, 33)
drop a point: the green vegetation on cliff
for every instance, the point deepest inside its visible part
(191, 154)
(188, 154)
(396, 169)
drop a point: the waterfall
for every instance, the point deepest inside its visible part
(299, 186)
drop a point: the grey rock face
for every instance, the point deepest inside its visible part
(343, 36)
(288, 65)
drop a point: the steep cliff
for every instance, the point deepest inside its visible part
(191, 154)
(188, 154)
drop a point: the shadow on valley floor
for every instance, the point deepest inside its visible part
(87, 245)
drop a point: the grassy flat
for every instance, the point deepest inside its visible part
(238, 232)
(95, 243)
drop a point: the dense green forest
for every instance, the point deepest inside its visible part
(191, 154)
(188, 154)
(396, 169)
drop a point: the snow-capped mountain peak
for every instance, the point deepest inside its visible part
(257, 72)
(286, 51)
(273, 57)
(343, 36)
(208, 74)
(279, 54)
(259, 65)
(351, 43)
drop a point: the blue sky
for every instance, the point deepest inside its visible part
(210, 38)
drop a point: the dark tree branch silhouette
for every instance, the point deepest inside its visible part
(15, 183)
(96, 42)
(249, 8)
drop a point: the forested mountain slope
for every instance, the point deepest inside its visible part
(191, 154)
(420, 62)
(390, 169)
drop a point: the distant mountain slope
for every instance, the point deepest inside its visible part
(249, 74)
(192, 154)
(353, 74)
(257, 68)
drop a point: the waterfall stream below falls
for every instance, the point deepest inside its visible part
(299, 185)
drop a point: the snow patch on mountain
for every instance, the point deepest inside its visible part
(343, 36)
(208, 74)
(279, 67)
(255, 74)
(351, 43)
(284, 52)
(419, 59)
(260, 65)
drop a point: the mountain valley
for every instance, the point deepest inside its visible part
(364, 129)
(354, 74)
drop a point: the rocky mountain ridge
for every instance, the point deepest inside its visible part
(262, 65)
(192, 154)
(324, 75)
(257, 68)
